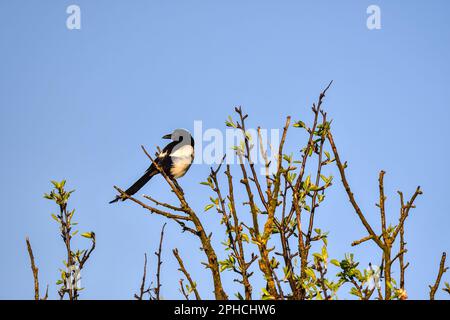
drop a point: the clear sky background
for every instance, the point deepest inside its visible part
(78, 105)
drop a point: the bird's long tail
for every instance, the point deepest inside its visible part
(138, 184)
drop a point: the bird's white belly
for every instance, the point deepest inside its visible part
(181, 160)
(180, 166)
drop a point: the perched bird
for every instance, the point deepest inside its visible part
(175, 160)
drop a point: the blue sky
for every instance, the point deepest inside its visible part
(78, 104)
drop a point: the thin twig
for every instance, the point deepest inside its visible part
(405, 212)
(241, 125)
(34, 269)
(150, 208)
(240, 255)
(442, 270)
(186, 296)
(168, 206)
(382, 205)
(350, 195)
(357, 242)
(142, 290)
(186, 274)
(158, 269)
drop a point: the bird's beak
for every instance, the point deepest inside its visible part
(167, 136)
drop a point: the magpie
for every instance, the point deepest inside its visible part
(175, 160)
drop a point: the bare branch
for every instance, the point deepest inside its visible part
(357, 242)
(350, 195)
(34, 269)
(186, 274)
(381, 205)
(442, 270)
(142, 289)
(166, 205)
(158, 269)
(186, 296)
(401, 253)
(150, 208)
(239, 251)
(241, 125)
(405, 212)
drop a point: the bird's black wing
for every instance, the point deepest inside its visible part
(165, 160)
